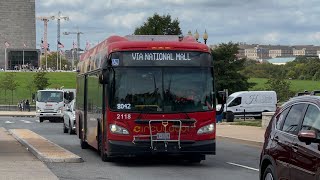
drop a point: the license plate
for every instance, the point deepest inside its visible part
(163, 136)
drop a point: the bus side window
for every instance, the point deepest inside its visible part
(235, 102)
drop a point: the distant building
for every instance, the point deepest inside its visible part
(18, 34)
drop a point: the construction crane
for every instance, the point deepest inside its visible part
(59, 17)
(45, 20)
(78, 42)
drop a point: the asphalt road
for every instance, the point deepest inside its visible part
(233, 160)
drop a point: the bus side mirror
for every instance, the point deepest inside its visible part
(103, 77)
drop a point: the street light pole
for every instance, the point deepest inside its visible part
(196, 35)
(205, 37)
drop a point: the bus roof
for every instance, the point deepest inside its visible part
(146, 42)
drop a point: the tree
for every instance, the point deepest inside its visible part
(31, 87)
(281, 86)
(159, 25)
(9, 83)
(40, 80)
(227, 69)
(52, 61)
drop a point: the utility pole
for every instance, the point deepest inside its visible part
(59, 17)
(78, 43)
(45, 20)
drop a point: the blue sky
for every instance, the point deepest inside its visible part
(287, 22)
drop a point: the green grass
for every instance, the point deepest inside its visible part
(256, 123)
(296, 85)
(56, 80)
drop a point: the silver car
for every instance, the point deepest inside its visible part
(69, 120)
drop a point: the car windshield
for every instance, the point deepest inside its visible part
(161, 89)
(50, 96)
(230, 98)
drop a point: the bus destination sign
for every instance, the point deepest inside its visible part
(161, 58)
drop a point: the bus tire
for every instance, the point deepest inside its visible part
(40, 119)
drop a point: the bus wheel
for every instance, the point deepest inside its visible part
(41, 119)
(103, 154)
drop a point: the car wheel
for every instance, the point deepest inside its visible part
(65, 129)
(269, 173)
(70, 129)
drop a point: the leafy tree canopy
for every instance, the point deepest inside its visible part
(159, 25)
(281, 86)
(227, 69)
(41, 81)
(52, 61)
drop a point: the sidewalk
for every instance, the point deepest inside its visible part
(243, 134)
(18, 113)
(17, 163)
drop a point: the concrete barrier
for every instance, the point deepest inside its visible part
(266, 117)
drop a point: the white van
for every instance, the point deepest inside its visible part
(252, 103)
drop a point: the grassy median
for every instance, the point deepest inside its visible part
(23, 79)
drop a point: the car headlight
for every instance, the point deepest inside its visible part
(118, 129)
(206, 129)
(60, 110)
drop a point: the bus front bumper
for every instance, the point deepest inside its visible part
(123, 148)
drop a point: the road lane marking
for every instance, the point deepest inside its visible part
(37, 120)
(243, 166)
(8, 122)
(25, 121)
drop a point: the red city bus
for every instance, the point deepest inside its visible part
(139, 95)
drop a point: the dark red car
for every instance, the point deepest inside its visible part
(291, 149)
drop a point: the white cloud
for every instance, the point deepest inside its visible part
(130, 20)
(269, 22)
(48, 3)
(271, 38)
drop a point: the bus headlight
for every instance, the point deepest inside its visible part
(206, 129)
(118, 129)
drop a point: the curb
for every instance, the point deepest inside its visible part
(243, 141)
(18, 114)
(41, 156)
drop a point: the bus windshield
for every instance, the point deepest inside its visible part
(50, 96)
(158, 89)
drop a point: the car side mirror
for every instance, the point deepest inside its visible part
(307, 136)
